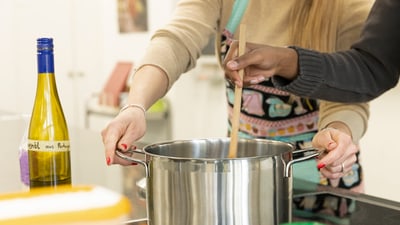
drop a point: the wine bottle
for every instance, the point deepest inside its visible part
(48, 138)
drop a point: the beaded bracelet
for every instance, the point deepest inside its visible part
(135, 106)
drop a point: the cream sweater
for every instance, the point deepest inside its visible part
(176, 47)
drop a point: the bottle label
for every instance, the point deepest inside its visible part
(48, 146)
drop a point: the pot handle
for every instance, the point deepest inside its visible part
(308, 153)
(122, 155)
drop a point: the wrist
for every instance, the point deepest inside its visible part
(138, 106)
(288, 65)
(339, 126)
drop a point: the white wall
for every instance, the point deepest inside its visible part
(379, 148)
(130, 46)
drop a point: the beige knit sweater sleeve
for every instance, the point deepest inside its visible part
(176, 47)
(355, 116)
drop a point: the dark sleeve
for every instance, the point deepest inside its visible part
(368, 69)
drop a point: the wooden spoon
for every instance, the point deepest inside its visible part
(238, 98)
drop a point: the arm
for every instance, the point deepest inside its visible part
(172, 51)
(360, 74)
(366, 71)
(347, 76)
(354, 116)
(349, 121)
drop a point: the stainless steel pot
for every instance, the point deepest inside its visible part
(193, 182)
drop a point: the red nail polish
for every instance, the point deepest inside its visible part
(133, 164)
(125, 146)
(320, 166)
(108, 160)
(133, 147)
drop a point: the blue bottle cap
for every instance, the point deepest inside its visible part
(44, 44)
(45, 56)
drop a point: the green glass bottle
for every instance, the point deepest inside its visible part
(48, 139)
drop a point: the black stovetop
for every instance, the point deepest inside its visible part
(331, 209)
(333, 206)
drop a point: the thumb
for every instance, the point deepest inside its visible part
(233, 65)
(250, 58)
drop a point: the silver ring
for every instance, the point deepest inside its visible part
(342, 168)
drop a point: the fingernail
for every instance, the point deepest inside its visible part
(321, 165)
(125, 146)
(254, 81)
(108, 160)
(133, 164)
(133, 147)
(232, 64)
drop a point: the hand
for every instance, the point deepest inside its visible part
(260, 62)
(340, 150)
(127, 127)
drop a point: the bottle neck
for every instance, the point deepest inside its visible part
(46, 80)
(45, 62)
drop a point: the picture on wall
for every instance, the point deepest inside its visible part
(132, 16)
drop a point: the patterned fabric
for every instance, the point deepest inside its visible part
(269, 113)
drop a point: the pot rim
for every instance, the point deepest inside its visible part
(146, 149)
